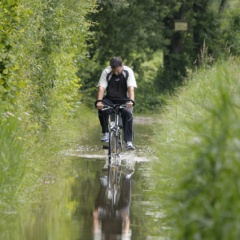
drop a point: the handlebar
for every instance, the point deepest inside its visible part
(114, 106)
(122, 105)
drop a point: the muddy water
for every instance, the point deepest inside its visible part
(66, 212)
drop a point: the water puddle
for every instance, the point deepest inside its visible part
(144, 217)
(72, 208)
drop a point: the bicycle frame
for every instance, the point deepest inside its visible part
(115, 134)
(115, 130)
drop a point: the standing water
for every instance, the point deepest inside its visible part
(66, 209)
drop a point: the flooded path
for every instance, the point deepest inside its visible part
(90, 156)
(66, 212)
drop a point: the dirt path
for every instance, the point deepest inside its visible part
(146, 120)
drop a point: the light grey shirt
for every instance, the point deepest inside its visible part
(131, 81)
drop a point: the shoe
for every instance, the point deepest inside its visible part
(129, 146)
(128, 173)
(105, 137)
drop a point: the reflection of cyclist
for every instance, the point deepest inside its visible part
(119, 82)
(107, 225)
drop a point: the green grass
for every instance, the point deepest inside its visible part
(33, 167)
(11, 163)
(12, 168)
(197, 170)
(44, 155)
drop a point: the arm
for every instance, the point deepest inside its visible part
(102, 85)
(100, 93)
(131, 96)
(131, 93)
(131, 83)
(100, 96)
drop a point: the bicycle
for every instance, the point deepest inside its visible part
(115, 131)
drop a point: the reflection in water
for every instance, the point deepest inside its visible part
(67, 206)
(111, 214)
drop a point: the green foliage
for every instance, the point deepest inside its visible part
(42, 194)
(124, 30)
(12, 163)
(9, 19)
(42, 45)
(137, 29)
(42, 48)
(147, 98)
(230, 31)
(207, 20)
(63, 31)
(118, 30)
(198, 151)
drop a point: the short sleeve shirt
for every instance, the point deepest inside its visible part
(131, 81)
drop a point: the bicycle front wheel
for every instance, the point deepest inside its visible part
(115, 146)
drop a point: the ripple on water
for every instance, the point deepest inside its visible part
(94, 152)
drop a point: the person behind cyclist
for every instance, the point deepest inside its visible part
(118, 81)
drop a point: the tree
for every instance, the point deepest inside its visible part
(136, 29)
(130, 29)
(42, 45)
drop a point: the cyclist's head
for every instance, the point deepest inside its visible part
(116, 62)
(116, 65)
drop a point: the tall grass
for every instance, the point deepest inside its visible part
(45, 155)
(12, 165)
(45, 194)
(33, 166)
(198, 149)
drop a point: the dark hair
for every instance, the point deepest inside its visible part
(116, 62)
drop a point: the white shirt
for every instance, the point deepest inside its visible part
(131, 81)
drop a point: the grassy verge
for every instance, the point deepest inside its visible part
(33, 169)
(198, 155)
(12, 165)
(44, 159)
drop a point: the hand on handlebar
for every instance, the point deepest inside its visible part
(129, 104)
(99, 105)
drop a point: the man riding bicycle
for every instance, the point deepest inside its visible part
(119, 83)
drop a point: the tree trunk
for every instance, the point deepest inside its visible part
(222, 5)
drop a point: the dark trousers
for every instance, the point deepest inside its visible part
(127, 119)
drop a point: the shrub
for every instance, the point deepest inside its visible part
(198, 150)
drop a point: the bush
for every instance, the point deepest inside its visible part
(198, 150)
